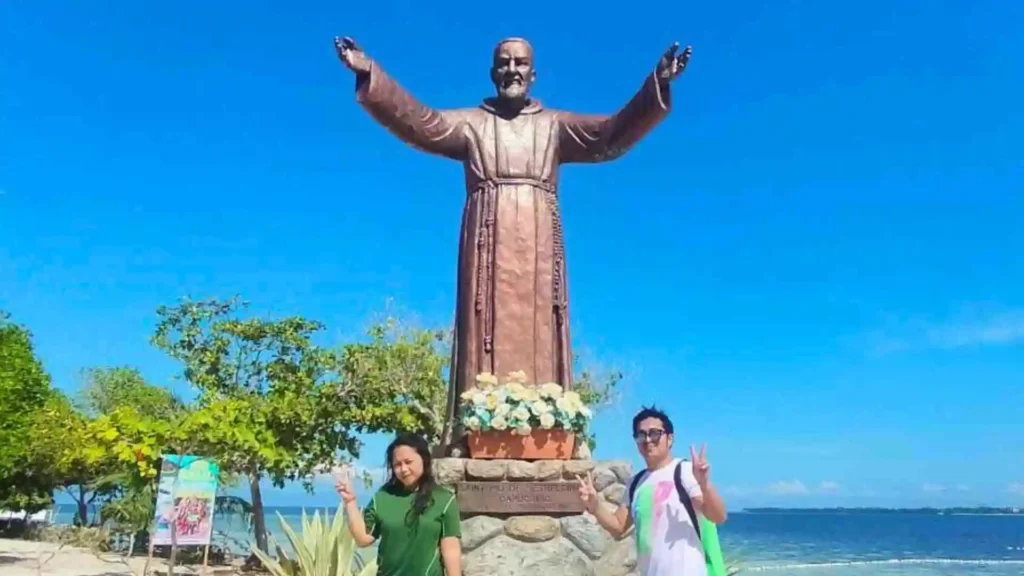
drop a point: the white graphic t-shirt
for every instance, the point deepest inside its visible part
(666, 541)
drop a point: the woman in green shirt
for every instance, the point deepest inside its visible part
(414, 521)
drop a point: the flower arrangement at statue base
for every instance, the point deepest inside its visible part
(518, 421)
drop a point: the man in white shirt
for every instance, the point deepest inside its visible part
(666, 539)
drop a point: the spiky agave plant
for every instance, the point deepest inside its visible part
(325, 548)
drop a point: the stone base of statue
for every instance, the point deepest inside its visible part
(523, 517)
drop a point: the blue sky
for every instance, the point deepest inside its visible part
(813, 263)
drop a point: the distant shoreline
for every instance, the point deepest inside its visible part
(956, 511)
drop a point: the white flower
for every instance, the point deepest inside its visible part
(540, 407)
(586, 412)
(468, 394)
(499, 423)
(524, 430)
(521, 414)
(473, 423)
(502, 410)
(479, 398)
(547, 420)
(565, 405)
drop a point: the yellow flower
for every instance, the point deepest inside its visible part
(547, 420)
(517, 377)
(574, 398)
(499, 423)
(492, 401)
(515, 391)
(486, 380)
(551, 390)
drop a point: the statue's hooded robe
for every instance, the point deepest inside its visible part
(512, 310)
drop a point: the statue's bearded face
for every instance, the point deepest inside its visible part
(513, 72)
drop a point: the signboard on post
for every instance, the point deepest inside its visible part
(186, 494)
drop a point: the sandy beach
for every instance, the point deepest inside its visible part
(27, 558)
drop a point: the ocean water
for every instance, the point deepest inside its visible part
(877, 544)
(828, 544)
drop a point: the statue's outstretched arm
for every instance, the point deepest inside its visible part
(435, 131)
(599, 138)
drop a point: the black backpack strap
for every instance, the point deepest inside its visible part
(684, 497)
(632, 487)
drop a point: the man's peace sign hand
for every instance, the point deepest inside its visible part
(701, 468)
(671, 64)
(587, 492)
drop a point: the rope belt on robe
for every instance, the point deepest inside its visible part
(485, 248)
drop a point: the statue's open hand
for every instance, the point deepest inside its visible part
(671, 64)
(351, 55)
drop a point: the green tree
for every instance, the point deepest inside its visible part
(25, 392)
(104, 390)
(271, 404)
(401, 374)
(58, 447)
(598, 389)
(136, 442)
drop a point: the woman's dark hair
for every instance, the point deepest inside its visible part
(426, 485)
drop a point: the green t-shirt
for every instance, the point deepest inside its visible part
(407, 547)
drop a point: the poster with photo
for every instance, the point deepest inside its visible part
(186, 493)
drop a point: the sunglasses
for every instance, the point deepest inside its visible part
(652, 435)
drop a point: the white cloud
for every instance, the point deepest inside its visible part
(798, 488)
(969, 329)
(1016, 488)
(934, 488)
(788, 488)
(375, 473)
(1001, 329)
(829, 487)
(735, 491)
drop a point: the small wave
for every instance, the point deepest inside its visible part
(772, 567)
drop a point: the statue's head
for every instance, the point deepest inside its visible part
(512, 71)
